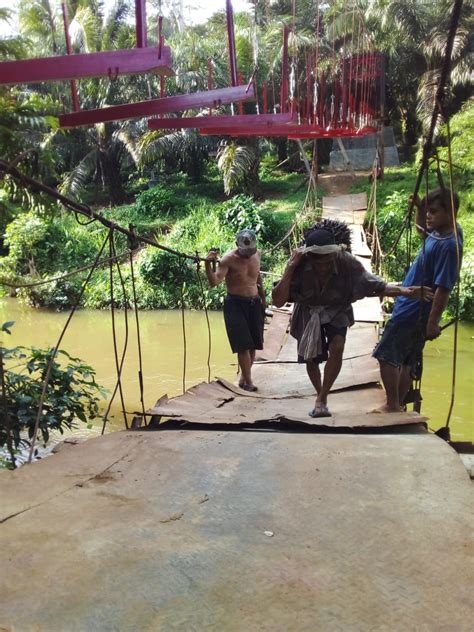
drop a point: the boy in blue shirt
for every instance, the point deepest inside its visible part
(437, 266)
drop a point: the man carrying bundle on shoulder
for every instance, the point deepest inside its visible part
(437, 266)
(323, 280)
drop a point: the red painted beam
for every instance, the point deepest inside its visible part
(210, 122)
(231, 40)
(140, 23)
(178, 103)
(290, 130)
(85, 65)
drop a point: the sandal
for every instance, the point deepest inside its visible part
(320, 410)
(250, 388)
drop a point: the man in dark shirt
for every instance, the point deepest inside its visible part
(323, 280)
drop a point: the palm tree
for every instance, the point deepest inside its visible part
(413, 35)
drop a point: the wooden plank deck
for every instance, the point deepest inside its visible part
(361, 522)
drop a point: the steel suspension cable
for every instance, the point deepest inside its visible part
(118, 364)
(457, 298)
(183, 322)
(139, 345)
(54, 352)
(209, 336)
(83, 209)
(125, 344)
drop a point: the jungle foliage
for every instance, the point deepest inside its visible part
(72, 394)
(192, 192)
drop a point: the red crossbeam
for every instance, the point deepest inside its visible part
(86, 65)
(178, 103)
(290, 130)
(209, 122)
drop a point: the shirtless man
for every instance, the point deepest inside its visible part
(244, 305)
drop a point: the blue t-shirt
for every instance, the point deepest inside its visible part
(436, 267)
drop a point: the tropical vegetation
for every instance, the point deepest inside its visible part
(190, 192)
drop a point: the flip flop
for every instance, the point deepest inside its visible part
(320, 410)
(248, 387)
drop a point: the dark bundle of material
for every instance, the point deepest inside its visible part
(340, 230)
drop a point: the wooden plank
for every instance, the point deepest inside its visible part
(275, 336)
(219, 120)
(358, 241)
(165, 105)
(87, 65)
(368, 310)
(348, 202)
(223, 403)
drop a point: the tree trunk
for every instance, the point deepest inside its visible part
(112, 178)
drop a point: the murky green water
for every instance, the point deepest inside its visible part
(89, 337)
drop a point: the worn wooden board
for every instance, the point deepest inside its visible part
(275, 335)
(223, 403)
(358, 241)
(346, 208)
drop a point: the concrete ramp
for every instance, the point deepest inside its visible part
(190, 530)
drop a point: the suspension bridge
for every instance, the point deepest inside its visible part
(236, 511)
(233, 510)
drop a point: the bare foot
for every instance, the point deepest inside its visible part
(386, 409)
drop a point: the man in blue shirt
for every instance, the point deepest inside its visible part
(437, 266)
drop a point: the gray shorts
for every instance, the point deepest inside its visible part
(401, 344)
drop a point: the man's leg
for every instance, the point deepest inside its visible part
(404, 383)
(391, 382)
(332, 368)
(245, 363)
(314, 375)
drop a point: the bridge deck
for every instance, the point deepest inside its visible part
(209, 528)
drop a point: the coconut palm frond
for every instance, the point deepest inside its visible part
(462, 73)
(426, 99)
(84, 30)
(114, 22)
(435, 46)
(234, 162)
(75, 180)
(39, 21)
(127, 136)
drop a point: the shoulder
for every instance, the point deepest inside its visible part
(228, 258)
(347, 259)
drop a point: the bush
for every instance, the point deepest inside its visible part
(241, 212)
(72, 394)
(158, 202)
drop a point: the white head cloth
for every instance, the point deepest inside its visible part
(324, 250)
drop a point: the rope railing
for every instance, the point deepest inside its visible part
(84, 209)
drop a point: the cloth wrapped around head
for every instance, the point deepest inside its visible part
(246, 241)
(321, 241)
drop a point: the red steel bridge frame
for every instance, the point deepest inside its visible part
(293, 120)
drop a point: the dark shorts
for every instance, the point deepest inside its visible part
(244, 318)
(401, 344)
(327, 334)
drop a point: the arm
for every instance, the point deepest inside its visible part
(281, 291)
(415, 292)
(261, 291)
(440, 301)
(220, 274)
